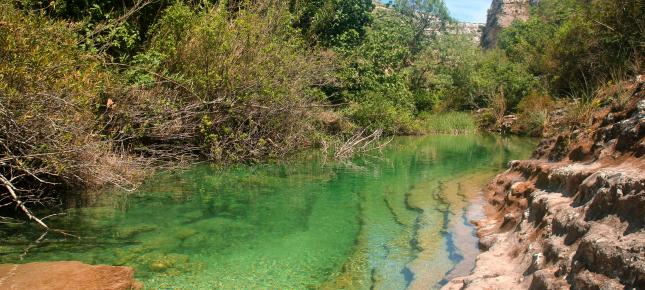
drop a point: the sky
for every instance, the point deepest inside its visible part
(468, 10)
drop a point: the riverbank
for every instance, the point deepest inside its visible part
(573, 215)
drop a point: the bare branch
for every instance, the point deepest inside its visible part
(360, 143)
(11, 189)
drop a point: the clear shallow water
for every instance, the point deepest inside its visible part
(395, 221)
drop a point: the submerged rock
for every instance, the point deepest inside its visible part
(131, 231)
(164, 262)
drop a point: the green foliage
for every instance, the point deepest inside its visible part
(397, 73)
(427, 18)
(527, 42)
(101, 25)
(333, 22)
(441, 78)
(454, 74)
(376, 77)
(50, 91)
(604, 39)
(448, 123)
(40, 60)
(533, 113)
(496, 76)
(434, 8)
(234, 85)
(578, 45)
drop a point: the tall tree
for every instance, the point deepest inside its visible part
(426, 17)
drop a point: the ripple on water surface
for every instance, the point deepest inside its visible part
(392, 222)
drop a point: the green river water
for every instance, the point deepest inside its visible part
(396, 220)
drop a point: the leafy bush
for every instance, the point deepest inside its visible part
(454, 74)
(228, 87)
(50, 94)
(333, 22)
(496, 76)
(533, 113)
(442, 75)
(576, 45)
(375, 78)
(448, 123)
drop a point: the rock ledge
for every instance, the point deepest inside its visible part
(66, 275)
(572, 217)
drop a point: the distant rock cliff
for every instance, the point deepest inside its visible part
(501, 14)
(473, 30)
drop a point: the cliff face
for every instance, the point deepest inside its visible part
(574, 216)
(472, 30)
(501, 14)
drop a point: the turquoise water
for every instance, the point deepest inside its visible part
(381, 222)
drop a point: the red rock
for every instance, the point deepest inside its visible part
(66, 275)
(569, 223)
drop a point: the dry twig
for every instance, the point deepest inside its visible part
(361, 143)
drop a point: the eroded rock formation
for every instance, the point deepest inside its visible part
(473, 30)
(501, 14)
(574, 216)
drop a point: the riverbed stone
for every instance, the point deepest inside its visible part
(129, 232)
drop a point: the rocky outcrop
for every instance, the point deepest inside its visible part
(66, 275)
(501, 14)
(470, 29)
(574, 216)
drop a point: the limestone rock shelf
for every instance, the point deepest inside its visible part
(572, 217)
(66, 275)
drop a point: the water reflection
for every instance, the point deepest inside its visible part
(382, 223)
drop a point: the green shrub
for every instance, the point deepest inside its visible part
(575, 46)
(448, 123)
(375, 78)
(497, 75)
(229, 87)
(442, 75)
(454, 74)
(51, 92)
(377, 115)
(330, 23)
(533, 113)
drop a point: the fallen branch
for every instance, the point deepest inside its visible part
(359, 143)
(11, 189)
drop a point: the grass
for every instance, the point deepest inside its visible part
(448, 123)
